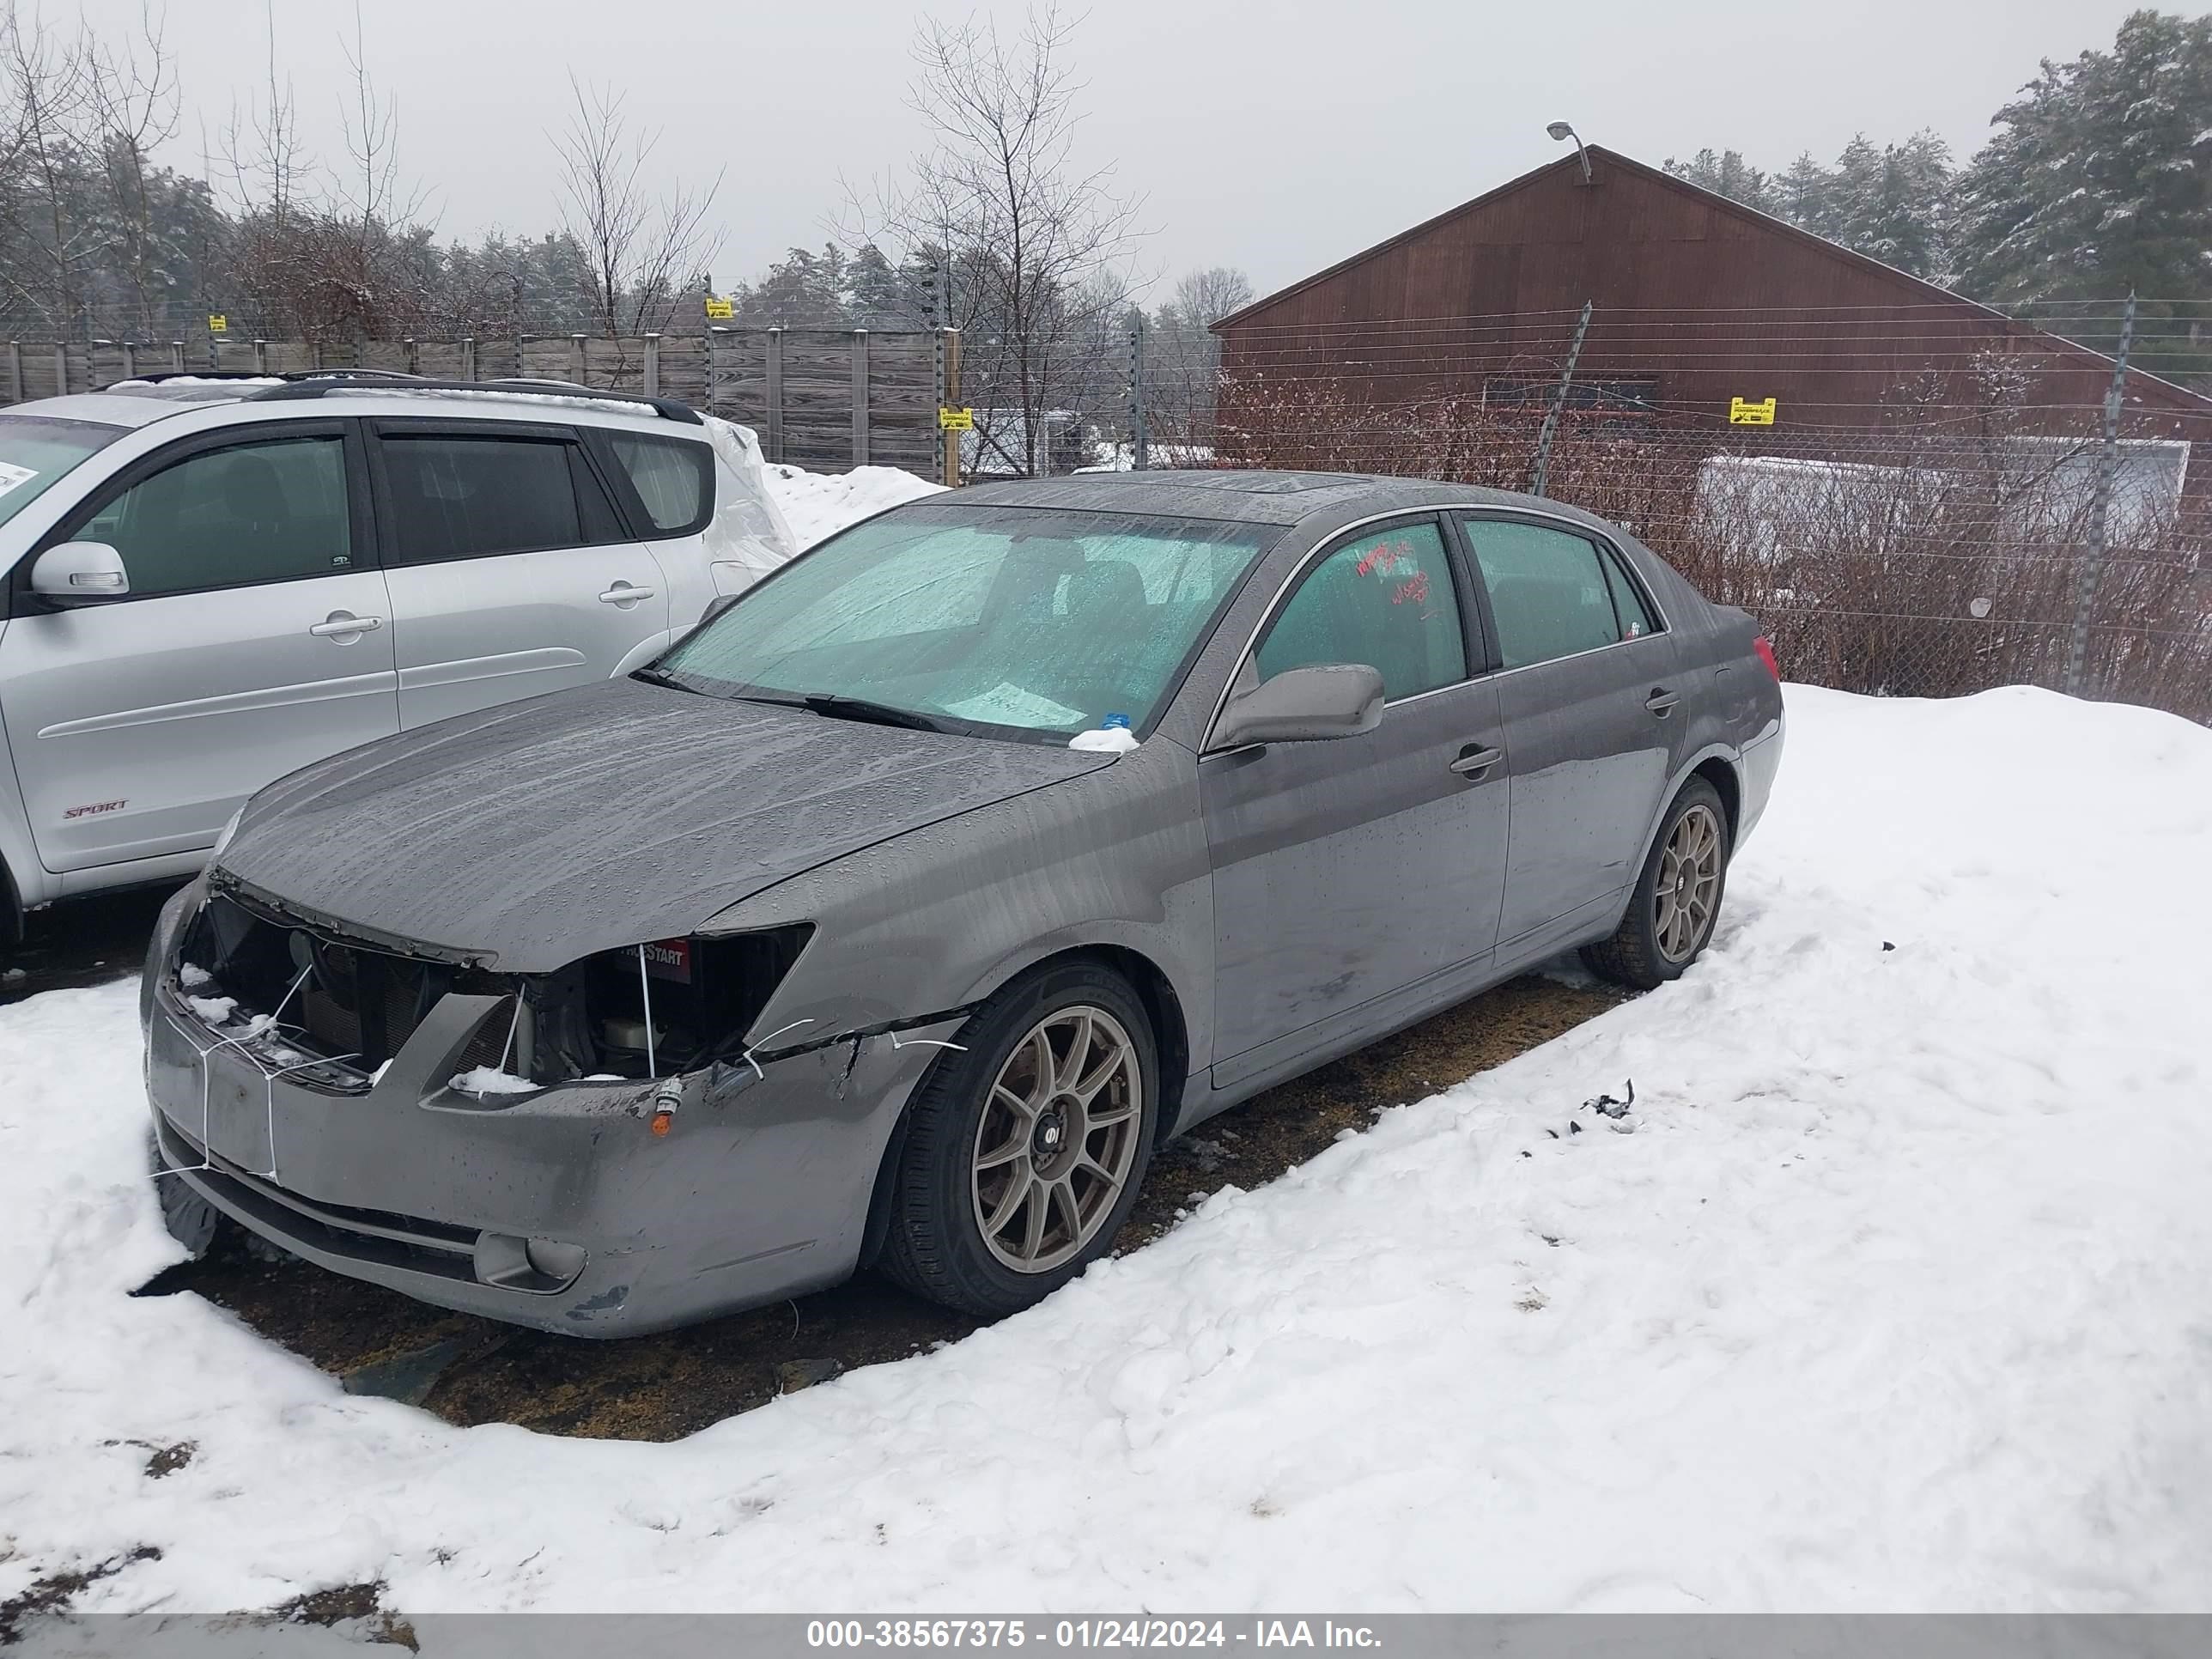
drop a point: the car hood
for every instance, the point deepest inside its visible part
(527, 836)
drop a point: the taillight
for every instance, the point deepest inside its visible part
(1765, 646)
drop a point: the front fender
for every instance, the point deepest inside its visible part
(941, 917)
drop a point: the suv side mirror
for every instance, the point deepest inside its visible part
(80, 572)
(1334, 699)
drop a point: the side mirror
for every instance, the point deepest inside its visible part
(1335, 700)
(80, 572)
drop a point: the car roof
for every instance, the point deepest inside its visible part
(1257, 496)
(131, 408)
(133, 404)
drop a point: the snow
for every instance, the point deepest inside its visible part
(818, 504)
(1894, 1300)
(1105, 740)
(490, 1080)
(241, 381)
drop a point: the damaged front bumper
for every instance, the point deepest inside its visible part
(568, 1208)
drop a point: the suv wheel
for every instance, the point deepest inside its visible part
(1024, 1153)
(1677, 899)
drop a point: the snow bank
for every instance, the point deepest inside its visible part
(818, 504)
(1894, 1300)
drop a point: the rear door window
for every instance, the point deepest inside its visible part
(468, 495)
(243, 513)
(1551, 595)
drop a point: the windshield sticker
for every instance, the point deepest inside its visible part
(11, 477)
(1008, 704)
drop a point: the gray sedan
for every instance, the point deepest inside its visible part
(895, 916)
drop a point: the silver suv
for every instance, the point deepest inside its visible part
(212, 582)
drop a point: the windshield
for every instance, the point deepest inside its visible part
(1036, 619)
(35, 451)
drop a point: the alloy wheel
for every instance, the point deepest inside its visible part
(1057, 1139)
(1689, 882)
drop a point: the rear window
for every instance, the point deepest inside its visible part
(673, 480)
(36, 452)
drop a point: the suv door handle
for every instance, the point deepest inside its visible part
(1661, 700)
(339, 624)
(623, 593)
(1472, 762)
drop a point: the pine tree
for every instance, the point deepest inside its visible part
(2100, 181)
(1725, 174)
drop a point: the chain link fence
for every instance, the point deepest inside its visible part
(1932, 518)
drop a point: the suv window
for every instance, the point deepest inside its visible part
(674, 480)
(1385, 599)
(247, 512)
(1551, 595)
(466, 497)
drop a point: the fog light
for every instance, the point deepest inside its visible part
(541, 1265)
(554, 1259)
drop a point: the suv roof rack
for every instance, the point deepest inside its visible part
(667, 409)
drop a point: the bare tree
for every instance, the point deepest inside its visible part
(643, 250)
(267, 169)
(45, 108)
(133, 96)
(1183, 369)
(1025, 239)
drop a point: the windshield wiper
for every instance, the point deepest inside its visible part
(860, 708)
(667, 676)
(838, 707)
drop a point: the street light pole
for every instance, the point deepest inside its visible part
(1561, 131)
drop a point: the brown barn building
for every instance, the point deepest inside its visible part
(1696, 303)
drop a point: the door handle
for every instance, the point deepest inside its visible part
(1472, 762)
(623, 593)
(1661, 700)
(340, 623)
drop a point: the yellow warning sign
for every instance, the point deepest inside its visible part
(1744, 412)
(956, 420)
(720, 309)
(217, 323)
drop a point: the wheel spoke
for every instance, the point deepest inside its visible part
(1040, 1200)
(1063, 1199)
(1079, 1050)
(1047, 1069)
(1009, 1202)
(1024, 1111)
(1006, 1154)
(1111, 1116)
(1085, 1088)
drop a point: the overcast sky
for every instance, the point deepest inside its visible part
(1276, 136)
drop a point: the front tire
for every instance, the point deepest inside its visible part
(1024, 1150)
(1677, 898)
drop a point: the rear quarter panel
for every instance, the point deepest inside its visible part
(1732, 703)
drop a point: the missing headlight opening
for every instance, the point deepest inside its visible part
(660, 1009)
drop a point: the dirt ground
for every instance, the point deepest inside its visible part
(469, 1371)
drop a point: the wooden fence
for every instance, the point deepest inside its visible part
(819, 398)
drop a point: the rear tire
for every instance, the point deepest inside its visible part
(1677, 898)
(1025, 1148)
